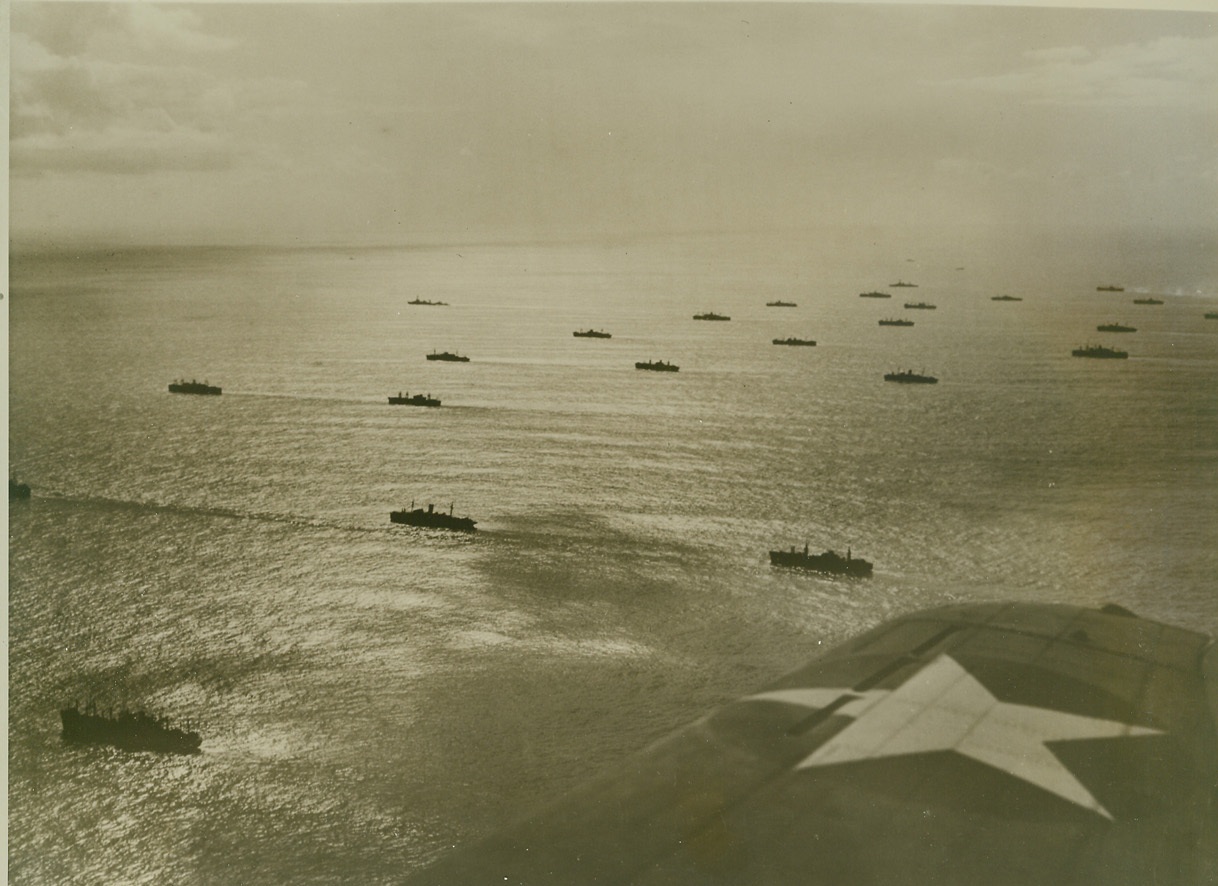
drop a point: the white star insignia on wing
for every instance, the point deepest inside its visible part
(944, 708)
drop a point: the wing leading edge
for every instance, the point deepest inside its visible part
(996, 743)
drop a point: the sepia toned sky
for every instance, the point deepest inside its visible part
(396, 123)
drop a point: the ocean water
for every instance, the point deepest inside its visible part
(371, 695)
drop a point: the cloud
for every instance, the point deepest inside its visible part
(93, 92)
(1170, 72)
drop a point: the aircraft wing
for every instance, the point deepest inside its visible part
(972, 744)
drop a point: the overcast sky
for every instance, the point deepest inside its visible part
(392, 123)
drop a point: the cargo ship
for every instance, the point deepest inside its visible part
(592, 333)
(711, 315)
(909, 377)
(1101, 352)
(805, 342)
(193, 387)
(894, 322)
(830, 562)
(131, 731)
(416, 400)
(432, 519)
(657, 366)
(448, 357)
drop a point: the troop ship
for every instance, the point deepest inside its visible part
(874, 294)
(920, 306)
(432, 519)
(894, 322)
(131, 731)
(423, 301)
(1110, 288)
(193, 387)
(1115, 327)
(592, 333)
(1101, 352)
(780, 304)
(1006, 298)
(657, 366)
(711, 315)
(1148, 301)
(902, 284)
(806, 342)
(830, 562)
(909, 377)
(416, 400)
(449, 357)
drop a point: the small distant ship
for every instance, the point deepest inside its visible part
(830, 562)
(193, 387)
(781, 304)
(1006, 298)
(17, 490)
(1115, 327)
(1110, 288)
(909, 377)
(896, 322)
(1101, 352)
(657, 366)
(904, 285)
(592, 333)
(874, 294)
(795, 341)
(1148, 301)
(446, 356)
(131, 731)
(416, 400)
(1211, 315)
(432, 519)
(919, 306)
(711, 315)
(423, 301)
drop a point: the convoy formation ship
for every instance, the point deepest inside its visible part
(920, 306)
(806, 342)
(894, 322)
(416, 400)
(1110, 288)
(131, 731)
(592, 333)
(711, 315)
(657, 366)
(874, 294)
(432, 519)
(780, 304)
(447, 356)
(193, 387)
(1115, 327)
(830, 562)
(1101, 352)
(1006, 298)
(1148, 301)
(423, 301)
(909, 377)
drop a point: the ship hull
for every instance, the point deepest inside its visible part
(194, 388)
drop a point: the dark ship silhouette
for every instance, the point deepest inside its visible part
(657, 366)
(1211, 315)
(794, 341)
(193, 387)
(830, 562)
(432, 519)
(1148, 301)
(592, 333)
(892, 322)
(447, 356)
(874, 294)
(423, 301)
(909, 377)
(416, 400)
(904, 285)
(711, 315)
(780, 304)
(129, 730)
(920, 306)
(1006, 298)
(1115, 327)
(17, 490)
(1101, 352)
(1110, 288)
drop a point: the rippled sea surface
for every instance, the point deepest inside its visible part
(371, 694)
